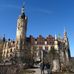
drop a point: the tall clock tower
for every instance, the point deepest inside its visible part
(21, 30)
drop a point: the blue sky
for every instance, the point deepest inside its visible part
(44, 17)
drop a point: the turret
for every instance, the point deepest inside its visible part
(67, 49)
(66, 39)
(4, 39)
(65, 35)
(56, 43)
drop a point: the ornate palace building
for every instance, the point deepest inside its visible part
(52, 49)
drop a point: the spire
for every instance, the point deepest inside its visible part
(65, 35)
(59, 36)
(22, 11)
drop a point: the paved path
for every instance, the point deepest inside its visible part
(38, 71)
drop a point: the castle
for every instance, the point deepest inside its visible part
(52, 48)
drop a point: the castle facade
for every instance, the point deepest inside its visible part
(52, 49)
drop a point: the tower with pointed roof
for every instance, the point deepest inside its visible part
(20, 43)
(67, 49)
(21, 29)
